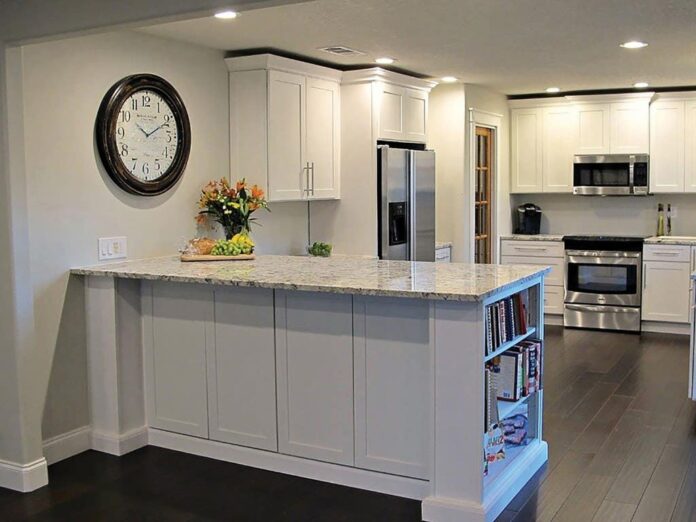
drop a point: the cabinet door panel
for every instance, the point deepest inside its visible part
(667, 146)
(241, 369)
(314, 340)
(393, 385)
(391, 113)
(323, 109)
(593, 132)
(526, 151)
(558, 148)
(175, 345)
(690, 146)
(666, 291)
(630, 129)
(286, 136)
(415, 115)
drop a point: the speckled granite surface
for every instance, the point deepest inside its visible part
(671, 240)
(536, 237)
(345, 275)
(443, 244)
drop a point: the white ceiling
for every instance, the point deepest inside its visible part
(513, 46)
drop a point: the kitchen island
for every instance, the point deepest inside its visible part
(360, 372)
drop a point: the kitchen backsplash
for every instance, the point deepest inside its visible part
(568, 214)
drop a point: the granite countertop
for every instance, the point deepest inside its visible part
(535, 237)
(343, 275)
(671, 240)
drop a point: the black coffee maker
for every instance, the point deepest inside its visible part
(528, 219)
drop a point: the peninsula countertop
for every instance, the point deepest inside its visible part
(346, 275)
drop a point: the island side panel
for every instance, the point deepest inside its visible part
(394, 350)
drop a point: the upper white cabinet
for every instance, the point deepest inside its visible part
(630, 127)
(593, 128)
(284, 126)
(526, 140)
(614, 126)
(560, 138)
(403, 112)
(690, 146)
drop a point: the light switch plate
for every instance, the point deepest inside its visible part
(113, 248)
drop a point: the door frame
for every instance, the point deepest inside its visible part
(493, 121)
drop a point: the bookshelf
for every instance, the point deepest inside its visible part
(506, 346)
(505, 408)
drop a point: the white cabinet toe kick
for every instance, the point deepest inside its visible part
(375, 392)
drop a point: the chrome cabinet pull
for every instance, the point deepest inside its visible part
(306, 169)
(312, 178)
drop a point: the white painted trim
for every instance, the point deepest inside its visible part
(668, 328)
(289, 465)
(377, 74)
(67, 444)
(491, 120)
(682, 95)
(589, 98)
(23, 477)
(120, 445)
(280, 63)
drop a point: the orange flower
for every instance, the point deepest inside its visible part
(256, 192)
(200, 219)
(241, 184)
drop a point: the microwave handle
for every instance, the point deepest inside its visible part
(631, 173)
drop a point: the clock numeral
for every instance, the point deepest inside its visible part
(124, 149)
(135, 164)
(166, 152)
(134, 104)
(146, 101)
(121, 132)
(125, 116)
(157, 165)
(167, 118)
(169, 137)
(146, 168)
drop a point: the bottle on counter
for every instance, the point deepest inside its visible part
(669, 219)
(660, 220)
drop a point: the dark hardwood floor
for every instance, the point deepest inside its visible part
(621, 432)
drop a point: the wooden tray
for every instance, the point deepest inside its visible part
(188, 258)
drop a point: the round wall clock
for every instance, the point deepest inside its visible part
(143, 134)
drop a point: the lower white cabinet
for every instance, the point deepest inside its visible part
(177, 330)
(241, 369)
(666, 291)
(314, 363)
(394, 344)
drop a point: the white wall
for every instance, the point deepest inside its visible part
(568, 214)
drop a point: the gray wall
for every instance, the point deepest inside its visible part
(568, 214)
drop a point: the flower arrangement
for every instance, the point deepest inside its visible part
(230, 206)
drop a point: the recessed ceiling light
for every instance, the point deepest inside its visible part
(226, 15)
(640, 85)
(448, 79)
(552, 90)
(634, 44)
(385, 60)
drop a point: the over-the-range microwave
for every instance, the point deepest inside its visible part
(611, 175)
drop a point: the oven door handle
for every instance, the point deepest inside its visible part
(595, 260)
(602, 253)
(599, 309)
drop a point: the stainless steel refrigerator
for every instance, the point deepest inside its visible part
(406, 196)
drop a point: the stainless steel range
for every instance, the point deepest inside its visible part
(603, 282)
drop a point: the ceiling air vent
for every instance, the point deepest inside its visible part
(340, 50)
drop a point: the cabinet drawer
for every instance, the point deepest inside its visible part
(553, 278)
(667, 253)
(532, 248)
(553, 299)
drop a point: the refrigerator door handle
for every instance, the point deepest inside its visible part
(411, 166)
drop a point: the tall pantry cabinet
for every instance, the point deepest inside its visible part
(285, 126)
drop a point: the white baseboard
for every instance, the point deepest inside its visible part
(668, 328)
(300, 467)
(23, 477)
(119, 445)
(67, 444)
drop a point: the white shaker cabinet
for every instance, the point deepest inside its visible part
(689, 145)
(285, 126)
(314, 365)
(560, 138)
(403, 112)
(630, 127)
(666, 283)
(667, 150)
(241, 369)
(526, 142)
(593, 128)
(177, 319)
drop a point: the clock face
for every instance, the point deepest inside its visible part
(143, 134)
(146, 135)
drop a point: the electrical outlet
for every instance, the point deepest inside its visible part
(112, 248)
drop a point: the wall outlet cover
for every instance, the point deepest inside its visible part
(113, 248)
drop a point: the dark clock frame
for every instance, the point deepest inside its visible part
(107, 122)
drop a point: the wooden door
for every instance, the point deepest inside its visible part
(323, 145)
(526, 151)
(287, 168)
(314, 365)
(484, 195)
(667, 139)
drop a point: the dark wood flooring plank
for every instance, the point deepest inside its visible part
(614, 512)
(685, 509)
(585, 499)
(601, 427)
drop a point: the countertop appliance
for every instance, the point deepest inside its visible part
(603, 282)
(611, 175)
(528, 219)
(406, 202)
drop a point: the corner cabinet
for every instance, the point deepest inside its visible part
(285, 126)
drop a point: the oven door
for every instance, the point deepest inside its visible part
(603, 278)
